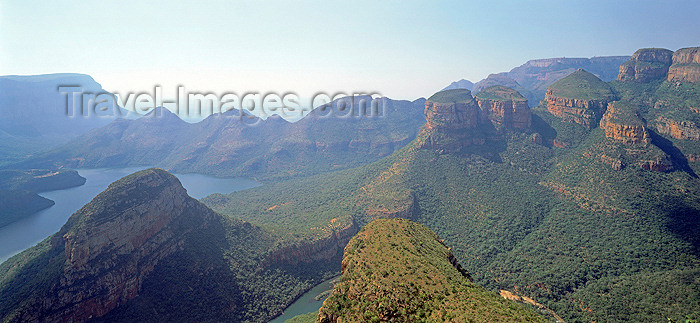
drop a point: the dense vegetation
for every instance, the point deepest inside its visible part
(581, 85)
(499, 92)
(452, 96)
(399, 271)
(551, 221)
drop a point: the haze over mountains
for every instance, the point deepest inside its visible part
(35, 115)
(586, 207)
(532, 78)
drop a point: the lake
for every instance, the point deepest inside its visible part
(31, 230)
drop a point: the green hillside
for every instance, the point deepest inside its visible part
(581, 85)
(499, 92)
(451, 96)
(400, 271)
(550, 222)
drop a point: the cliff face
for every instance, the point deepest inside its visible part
(583, 112)
(114, 242)
(678, 129)
(324, 248)
(504, 107)
(467, 121)
(579, 98)
(621, 123)
(686, 66)
(646, 64)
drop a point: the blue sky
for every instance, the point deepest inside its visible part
(401, 49)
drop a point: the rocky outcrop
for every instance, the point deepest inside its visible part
(659, 164)
(622, 123)
(323, 248)
(579, 98)
(460, 111)
(504, 107)
(114, 242)
(455, 120)
(686, 66)
(687, 130)
(452, 118)
(646, 64)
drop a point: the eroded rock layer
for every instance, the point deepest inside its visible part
(579, 98)
(622, 123)
(646, 64)
(686, 65)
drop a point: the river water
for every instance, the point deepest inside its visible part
(32, 229)
(307, 302)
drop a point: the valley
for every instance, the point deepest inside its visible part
(588, 204)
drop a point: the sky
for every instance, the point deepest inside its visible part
(399, 49)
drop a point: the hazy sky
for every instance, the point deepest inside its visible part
(401, 49)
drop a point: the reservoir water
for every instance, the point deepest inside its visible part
(307, 303)
(30, 230)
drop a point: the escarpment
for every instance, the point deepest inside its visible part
(647, 64)
(110, 246)
(323, 248)
(686, 66)
(622, 123)
(687, 130)
(579, 98)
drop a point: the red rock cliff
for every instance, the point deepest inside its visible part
(114, 242)
(646, 64)
(621, 123)
(686, 66)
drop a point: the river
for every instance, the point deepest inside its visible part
(32, 229)
(307, 303)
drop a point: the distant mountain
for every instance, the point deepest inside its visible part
(532, 78)
(461, 84)
(35, 116)
(19, 188)
(399, 270)
(222, 145)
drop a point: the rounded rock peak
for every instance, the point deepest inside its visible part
(452, 96)
(581, 85)
(500, 93)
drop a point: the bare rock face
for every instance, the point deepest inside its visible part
(443, 114)
(579, 98)
(112, 243)
(687, 130)
(686, 66)
(646, 64)
(454, 119)
(622, 123)
(322, 248)
(504, 107)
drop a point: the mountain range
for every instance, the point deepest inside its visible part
(586, 207)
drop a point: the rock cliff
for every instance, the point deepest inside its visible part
(646, 64)
(504, 107)
(113, 243)
(455, 119)
(678, 129)
(622, 123)
(686, 66)
(579, 98)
